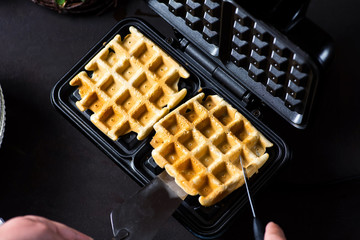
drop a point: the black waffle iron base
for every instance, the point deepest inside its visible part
(134, 156)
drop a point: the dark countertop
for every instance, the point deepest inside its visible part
(49, 168)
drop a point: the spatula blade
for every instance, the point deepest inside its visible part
(141, 215)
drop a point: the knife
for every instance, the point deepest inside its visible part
(142, 215)
(258, 227)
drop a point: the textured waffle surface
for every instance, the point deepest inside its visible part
(129, 85)
(268, 57)
(200, 144)
(270, 62)
(201, 16)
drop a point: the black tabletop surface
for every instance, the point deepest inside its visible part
(48, 168)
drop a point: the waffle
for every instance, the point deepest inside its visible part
(129, 85)
(200, 144)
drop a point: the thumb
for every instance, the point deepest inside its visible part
(274, 232)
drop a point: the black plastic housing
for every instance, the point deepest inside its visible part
(134, 156)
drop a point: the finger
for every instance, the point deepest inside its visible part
(63, 231)
(69, 233)
(21, 228)
(274, 232)
(34, 218)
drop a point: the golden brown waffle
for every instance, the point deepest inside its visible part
(133, 83)
(200, 143)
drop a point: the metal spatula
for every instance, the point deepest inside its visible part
(141, 215)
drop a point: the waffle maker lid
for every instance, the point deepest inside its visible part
(278, 59)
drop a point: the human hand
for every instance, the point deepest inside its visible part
(38, 228)
(274, 232)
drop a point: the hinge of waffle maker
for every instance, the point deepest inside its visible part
(216, 72)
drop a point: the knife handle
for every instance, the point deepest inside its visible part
(259, 229)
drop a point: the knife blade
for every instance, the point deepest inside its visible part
(140, 216)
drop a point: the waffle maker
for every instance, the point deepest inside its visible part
(254, 57)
